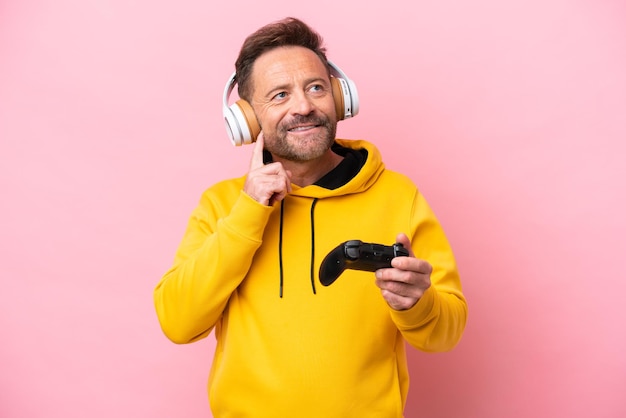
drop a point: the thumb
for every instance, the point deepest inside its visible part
(403, 239)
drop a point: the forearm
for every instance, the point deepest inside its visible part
(212, 260)
(436, 323)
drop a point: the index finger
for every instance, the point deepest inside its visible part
(257, 154)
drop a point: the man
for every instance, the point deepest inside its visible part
(247, 265)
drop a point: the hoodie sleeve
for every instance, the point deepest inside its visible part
(211, 261)
(437, 321)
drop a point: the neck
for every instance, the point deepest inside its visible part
(305, 173)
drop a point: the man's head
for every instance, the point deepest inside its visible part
(283, 74)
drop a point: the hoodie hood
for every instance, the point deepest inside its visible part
(367, 166)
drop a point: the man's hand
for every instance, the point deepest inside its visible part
(405, 283)
(266, 183)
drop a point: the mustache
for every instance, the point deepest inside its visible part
(300, 120)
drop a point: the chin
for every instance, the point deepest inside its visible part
(299, 148)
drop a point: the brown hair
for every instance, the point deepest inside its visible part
(286, 32)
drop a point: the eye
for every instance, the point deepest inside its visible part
(317, 88)
(280, 96)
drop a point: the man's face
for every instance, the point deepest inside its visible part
(292, 99)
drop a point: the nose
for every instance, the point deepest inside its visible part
(301, 104)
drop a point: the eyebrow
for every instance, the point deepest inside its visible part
(286, 86)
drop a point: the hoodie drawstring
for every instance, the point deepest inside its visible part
(280, 246)
(313, 245)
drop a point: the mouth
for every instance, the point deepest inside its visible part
(302, 128)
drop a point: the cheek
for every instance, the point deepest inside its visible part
(328, 108)
(269, 120)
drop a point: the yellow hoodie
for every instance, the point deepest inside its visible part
(287, 346)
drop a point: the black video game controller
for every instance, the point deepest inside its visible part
(358, 255)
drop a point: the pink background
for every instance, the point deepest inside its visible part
(510, 115)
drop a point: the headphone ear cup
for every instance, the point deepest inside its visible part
(338, 97)
(241, 123)
(346, 98)
(353, 110)
(253, 129)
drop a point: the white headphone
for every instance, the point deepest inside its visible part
(241, 122)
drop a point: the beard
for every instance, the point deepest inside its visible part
(302, 149)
